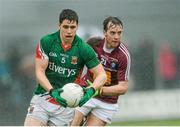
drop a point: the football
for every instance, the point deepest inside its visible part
(72, 93)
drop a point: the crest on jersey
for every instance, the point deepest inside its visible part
(74, 60)
(113, 66)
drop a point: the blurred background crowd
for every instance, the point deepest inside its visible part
(151, 32)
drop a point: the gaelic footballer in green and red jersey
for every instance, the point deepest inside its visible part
(64, 65)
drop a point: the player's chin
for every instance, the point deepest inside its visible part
(114, 45)
(69, 38)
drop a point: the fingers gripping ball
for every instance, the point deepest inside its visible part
(55, 93)
(72, 93)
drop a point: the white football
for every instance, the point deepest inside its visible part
(72, 93)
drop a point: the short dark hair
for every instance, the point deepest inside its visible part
(69, 15)
(114, 20)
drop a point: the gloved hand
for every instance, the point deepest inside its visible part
(97, 92)
(88, 93)
(55, 93)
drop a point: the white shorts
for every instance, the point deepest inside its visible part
(100, 109)
(48, 112)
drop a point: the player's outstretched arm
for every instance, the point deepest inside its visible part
(120, 89)
(100, 76)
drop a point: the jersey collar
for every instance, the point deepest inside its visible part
(58, 39)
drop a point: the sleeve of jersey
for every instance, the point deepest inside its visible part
(90, 57)
(124, 68)
(41, 52)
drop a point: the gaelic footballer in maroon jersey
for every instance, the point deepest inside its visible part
(116, 64)
(115, 59)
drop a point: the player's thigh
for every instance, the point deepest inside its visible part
(83, 111)
(29, 121)
(92, 120)
(62, 116)
(38, 111)
(104, 114)
(104, 111)
(78, 117)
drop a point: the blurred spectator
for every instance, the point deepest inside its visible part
(4, 81)
(167, 65)
(143, 66)
(16, 78)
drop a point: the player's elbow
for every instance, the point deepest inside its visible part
(123, 91)
(123, 88)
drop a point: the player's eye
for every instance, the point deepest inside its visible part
(119, 33)
(65, 26)
(112, 33)
(72, 27)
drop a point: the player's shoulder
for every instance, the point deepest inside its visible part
(49, 37)
(95, 40)
(123, 47)
(78, 40)
(81, 45)
(123, 50)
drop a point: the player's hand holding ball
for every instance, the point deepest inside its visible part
(88, 93)
(55, 93)
(97, 92)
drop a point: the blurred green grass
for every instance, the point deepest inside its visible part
(173, 122)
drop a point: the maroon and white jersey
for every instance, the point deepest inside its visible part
(116, 65)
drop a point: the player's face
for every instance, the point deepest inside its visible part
(113, 35)
(68, 30)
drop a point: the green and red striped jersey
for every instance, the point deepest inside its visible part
(64, 66)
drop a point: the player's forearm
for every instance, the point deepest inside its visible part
(99, 81)
(43, 81)
(100, 76)
(115, 90)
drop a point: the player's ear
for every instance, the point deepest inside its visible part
(59, 25)
(105, 33)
